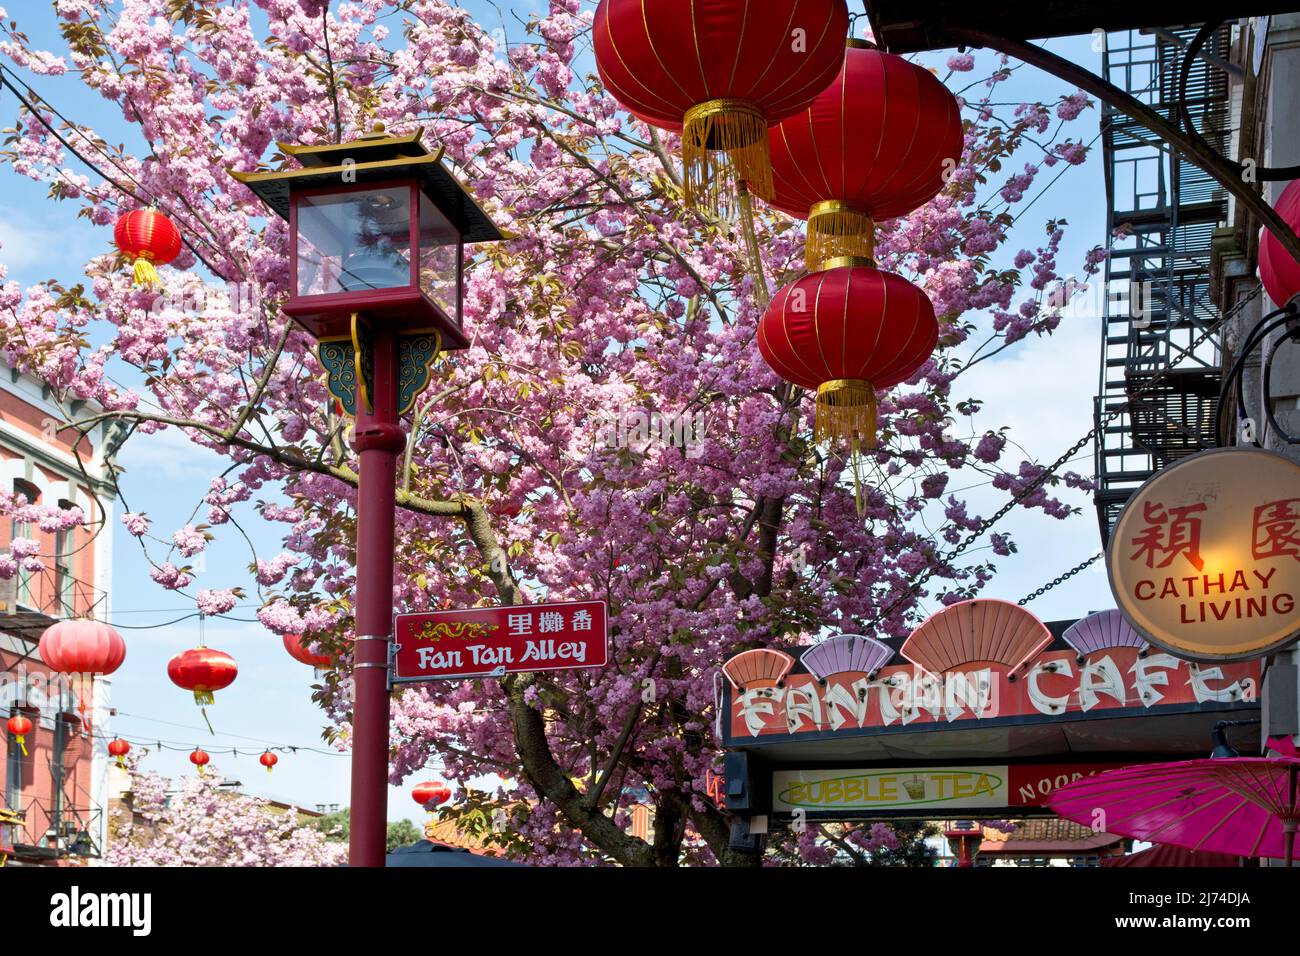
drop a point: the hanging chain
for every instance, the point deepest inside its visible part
(1050, 471)
(1061, 577)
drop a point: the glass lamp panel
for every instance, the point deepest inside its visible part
(440, 259)
(354, 241)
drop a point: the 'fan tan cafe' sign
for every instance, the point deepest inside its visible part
(1205, 559)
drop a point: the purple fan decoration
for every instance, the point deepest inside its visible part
(1102, 630)
(847, 653)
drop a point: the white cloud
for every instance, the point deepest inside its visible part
(46, 246)
(169, 455)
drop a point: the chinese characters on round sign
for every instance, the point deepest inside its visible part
(1205, 559)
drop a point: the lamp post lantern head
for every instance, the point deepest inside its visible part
(378, 228)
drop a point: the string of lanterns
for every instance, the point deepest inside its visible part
(83, 648)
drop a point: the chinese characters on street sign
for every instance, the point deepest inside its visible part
(1205, 559)
(494, 641)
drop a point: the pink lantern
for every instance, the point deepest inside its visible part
(82, 648)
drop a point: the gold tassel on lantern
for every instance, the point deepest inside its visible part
(144, 273)
(846, 414)
(725, 142)
(836, 229)
(846, 411)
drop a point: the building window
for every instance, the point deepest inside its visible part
(26, 492)
(64, 579)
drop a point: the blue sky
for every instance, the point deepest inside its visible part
(1043, 391)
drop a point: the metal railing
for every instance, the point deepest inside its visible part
(53, 592)
(63, 830)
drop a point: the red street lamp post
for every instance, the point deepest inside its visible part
(378, 229)
(965, 837)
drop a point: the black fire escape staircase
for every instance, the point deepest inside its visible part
(1162, 214)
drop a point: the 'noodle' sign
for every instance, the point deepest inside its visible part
(495, 641)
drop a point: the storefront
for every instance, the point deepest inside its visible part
(983, 711)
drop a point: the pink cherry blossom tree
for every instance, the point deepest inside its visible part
(532, 467)
(198, 824)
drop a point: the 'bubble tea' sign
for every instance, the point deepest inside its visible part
(495, 641)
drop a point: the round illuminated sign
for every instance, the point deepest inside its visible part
(1205, 558)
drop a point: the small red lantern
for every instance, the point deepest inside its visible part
(150, 239)
(119, 748)
(293, 643)
(202, 670)
(82, 648)
(430, 794)
(876, 144)
(845, 333)
(721, 72)
(1279, 272)
(268, 760)
(20, 727)
(200, 759)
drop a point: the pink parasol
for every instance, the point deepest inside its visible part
(1245, 806)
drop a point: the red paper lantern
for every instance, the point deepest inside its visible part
(431, 793)
(721, 71)
(199, 758)
(293, 643)
(202, 670)
(876, 144)
(1279, 272)
(82, 648)
(20, 727)
(847, 332)
(119, 748)
(268, 760)
(148, 238)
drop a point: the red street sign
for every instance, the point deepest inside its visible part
(494, 641)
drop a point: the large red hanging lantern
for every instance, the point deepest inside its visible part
(149, 239)
(200, 759)
(82, 649)
(845, 333)
(721, 72)
(879, 142)
(268, 760)
(20, 727)
(119, 748)
(204, 671)
(431, 793)
(1279, 272)
(293, 643)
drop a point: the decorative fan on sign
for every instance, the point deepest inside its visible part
(1101, 631)
(763, 667)
(982, 631)
(846, 654)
